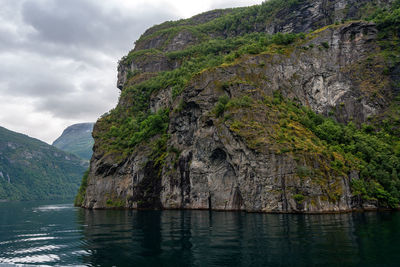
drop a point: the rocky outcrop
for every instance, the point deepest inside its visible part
(147, 63)
(213, 164)
(306, 16)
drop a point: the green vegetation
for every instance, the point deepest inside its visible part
(125, 127)
(221, 106)
(250, 43)
(304, 171)
(80, 197)
(325, 45)
(387, 19)
(299, 198)
(379, 162)
(115, 203)
(125, 134)
(291, 128)
(234, 22)
(388, 23)
(33, 170)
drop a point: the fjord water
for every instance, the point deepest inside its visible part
(42, 233)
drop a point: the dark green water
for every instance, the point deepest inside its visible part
(41, 233)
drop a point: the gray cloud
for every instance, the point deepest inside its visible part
(59, 57)
(84, 23)
(226, 4)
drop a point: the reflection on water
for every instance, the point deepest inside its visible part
(63, 235)
(200, 238)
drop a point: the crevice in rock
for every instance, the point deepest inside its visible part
(184, 163)
(209, 123)
(284, 197)
(147, 192)
(218, 156)
(237, 201)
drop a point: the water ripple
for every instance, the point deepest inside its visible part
(52, 208)
(60, 235)
(34, 259)
(38, 249)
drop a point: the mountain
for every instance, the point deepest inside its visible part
(31, 169)
(77, 139)
(287, 106)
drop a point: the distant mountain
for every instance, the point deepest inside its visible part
(77, 139)
(31, 169)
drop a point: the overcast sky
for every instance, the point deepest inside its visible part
(59, 57)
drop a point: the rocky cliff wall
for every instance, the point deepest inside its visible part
(240, 158)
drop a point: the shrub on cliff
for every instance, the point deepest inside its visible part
(80, 197)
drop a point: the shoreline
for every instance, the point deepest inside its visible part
(355, 210)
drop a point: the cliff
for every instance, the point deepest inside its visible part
(33, 170)
(77, 139)
(288, 106)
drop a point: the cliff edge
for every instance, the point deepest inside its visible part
(287, 106)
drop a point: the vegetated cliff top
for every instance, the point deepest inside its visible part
(77, 139)
(270, 17)
(31, 169)
(292, 104)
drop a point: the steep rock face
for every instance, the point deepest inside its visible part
(217, 169)
(236, 161)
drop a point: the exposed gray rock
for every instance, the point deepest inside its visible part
(215, 168)
(309, 15)
(146, 64)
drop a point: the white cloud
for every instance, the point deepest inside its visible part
(59, 58)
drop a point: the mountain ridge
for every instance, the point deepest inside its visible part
(77, 139)
(32, 170)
